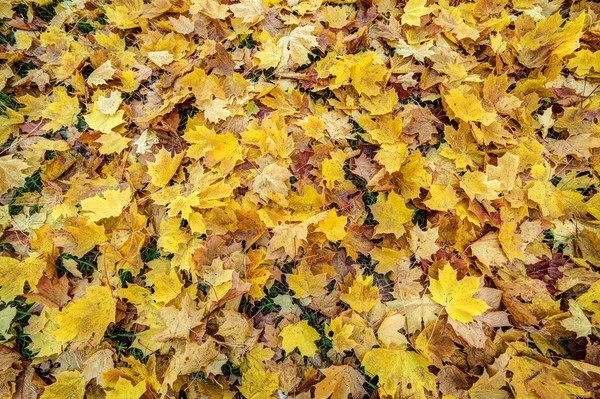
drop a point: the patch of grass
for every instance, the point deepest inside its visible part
(185, 114)
(287, 267)
(33, 184)
(120, 339)
(331, 286)
(544, 103)
(138, 355)
(269, 74)
(22, 68)
(87, 264)
(357, 131)
(150, 252)
(4, 246)
(7, 101)
(246, 41)
(365, 263)
(229, 369)
(325, 345)
(81, 125)
(84, 26)
(361, 49)
(420, 218)
(371, 384)
(265, 305)
(125, 277)
(198, 376)
(315, 55)
(7, 39)
(46, 13)
(21, 10)
(587, 190)
(19, 322)
(358, 182)
(50, 155)
(278, 288)
(87, 71)
(369, 198)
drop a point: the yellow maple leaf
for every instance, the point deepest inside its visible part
(420, 310)
(172, 238)
(340, 382)
(14, 274)
(194, 357)
(584, 61)
(333, 226)
(62, 110)
(167, 286)
(258, 383)
(86, 318)
(578, 322)
(310, 203)
(380, 104)
(68, 384)
(104, 123)
(269, 56)
(488, 251)
(333, 168)
(11, 173)
(101, 74)
(124, 389)
(505, 172)
(164, 167)
(110, 204)
(423, 242)
(250, 11)
(109, 105)
(534, 379)
(84, 235)
(400, 367)
(476, 185)
(340, 335)
(221, 149)
(184, 205)
(388, 332)
(301, 336)
(361, 295)
(6, 317)
(272, 183)
(391, 213)
(392, 156)
(414, 10)
(368, 75)
(305, 284)
(336, 17)
(467, 107)
(23, 40)
(112, 143)
(215, 110)
(160, 58)
(443, 198)
(457, 296)
(296, 46)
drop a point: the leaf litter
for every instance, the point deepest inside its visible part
(308, 199)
